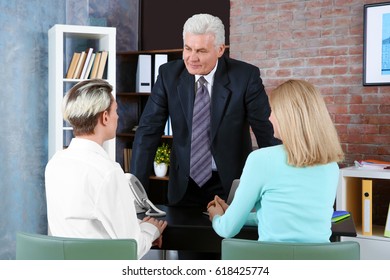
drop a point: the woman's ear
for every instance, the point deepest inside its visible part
(104, 117)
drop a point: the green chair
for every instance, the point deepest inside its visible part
(240, 249)
(43, 247)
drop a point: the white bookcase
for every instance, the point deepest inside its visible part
(63, 42)
(349, 197)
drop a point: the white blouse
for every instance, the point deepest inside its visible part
(88, 196)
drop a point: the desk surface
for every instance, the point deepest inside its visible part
(190, 229)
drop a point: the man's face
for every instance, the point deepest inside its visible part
(200, 54)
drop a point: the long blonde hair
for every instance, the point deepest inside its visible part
(305, 127)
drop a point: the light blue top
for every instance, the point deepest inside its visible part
(293, 204)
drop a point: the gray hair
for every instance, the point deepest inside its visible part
(84, 102)
(204, 23)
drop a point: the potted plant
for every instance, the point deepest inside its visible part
(162, 160)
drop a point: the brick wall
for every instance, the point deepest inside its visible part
(321, 42)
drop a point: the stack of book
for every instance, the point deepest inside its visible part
(87, 64)
(340, 215)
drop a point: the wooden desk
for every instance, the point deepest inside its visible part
(190, 229)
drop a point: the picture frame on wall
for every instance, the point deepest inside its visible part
(376, 52)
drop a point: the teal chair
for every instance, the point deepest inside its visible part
(240, 249)
(31, 246)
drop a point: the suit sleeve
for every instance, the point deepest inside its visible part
(149, 132)
(258, 110)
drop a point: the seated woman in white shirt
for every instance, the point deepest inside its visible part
(87, 193)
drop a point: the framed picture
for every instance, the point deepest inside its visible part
(376, 64)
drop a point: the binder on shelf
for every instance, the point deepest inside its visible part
(387, 227)
(367, 207)
(72, 65)
(159, 59)
(144, 73)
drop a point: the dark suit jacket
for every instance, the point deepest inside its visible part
(238, 102)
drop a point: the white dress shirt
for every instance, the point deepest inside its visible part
(88, 196)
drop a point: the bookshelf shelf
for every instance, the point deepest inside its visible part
(64, 40)
(349, 197)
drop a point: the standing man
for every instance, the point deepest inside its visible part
(231, 100)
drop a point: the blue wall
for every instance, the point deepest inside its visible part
(23, 103)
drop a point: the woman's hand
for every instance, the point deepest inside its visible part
(221, 202)
(160, 224)
(216, 207)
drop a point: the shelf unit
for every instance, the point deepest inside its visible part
(130, 108)
(349, 197)
(64, 40)
(130, 102)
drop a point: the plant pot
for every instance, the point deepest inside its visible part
(160, 169)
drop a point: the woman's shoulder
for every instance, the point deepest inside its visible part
(268, 154)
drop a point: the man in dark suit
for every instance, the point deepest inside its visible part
(238, 102)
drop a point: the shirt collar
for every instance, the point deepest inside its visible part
(209, 77)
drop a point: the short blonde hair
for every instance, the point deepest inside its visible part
(84, 103)
(305, 127)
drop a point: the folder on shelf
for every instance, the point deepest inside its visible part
(144, 73)
(159, 59)
(367, 207)
(387, 227)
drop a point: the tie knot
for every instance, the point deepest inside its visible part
(202, 81)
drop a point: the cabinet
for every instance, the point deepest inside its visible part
(349, 197)
(64, 40)
(130, 107)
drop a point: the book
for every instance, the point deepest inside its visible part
(80, 65)
(88, 52)
(72, 65)
(95, 65)
(372, 164)
(89, 66)
(126, 159)
(102, 64)
(340, 215)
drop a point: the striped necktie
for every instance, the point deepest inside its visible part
(200, 164)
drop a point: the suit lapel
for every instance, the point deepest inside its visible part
(219, 97)
(186, 93)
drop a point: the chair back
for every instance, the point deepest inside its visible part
(31, 246)
(240, 249)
